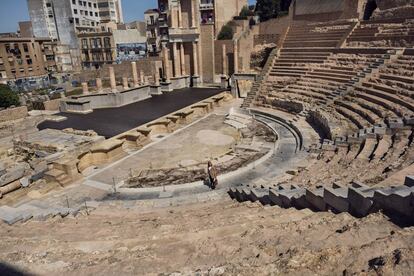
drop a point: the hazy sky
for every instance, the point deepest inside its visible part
(13, 11)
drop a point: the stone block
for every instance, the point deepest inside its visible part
(232, 192)
(13, 174)
(246, 193)
(315, 199)
(397, 199)
(336, 197)
(409, 181)
(261, 195)
(361, 201)
(274, 197)
(395, 123)
(10, 215)
(293, 198)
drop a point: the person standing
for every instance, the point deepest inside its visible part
(212, 175)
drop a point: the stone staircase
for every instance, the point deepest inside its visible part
(357, 199)
(260, 79)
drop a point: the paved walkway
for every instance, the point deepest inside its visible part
(110, 122)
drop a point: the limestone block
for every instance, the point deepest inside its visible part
(336, 197)
(361, 200)
(261, 195)
(10, 215)
(14, 173)
(409, 181)
(397, 199)
(315, 199)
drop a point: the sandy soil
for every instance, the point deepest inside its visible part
(215, 238)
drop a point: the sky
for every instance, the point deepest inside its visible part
(13, 11)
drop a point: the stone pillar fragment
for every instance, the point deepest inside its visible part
(182, 59)
(156, 77)
(112, 79)
(224, 57)
(236, 57)
(98, 84)
(180, 16)
(166, 64)
(85, 88)
(134, 73)
(141, 74)
(195, 58)
(176, 60)
(125, 83)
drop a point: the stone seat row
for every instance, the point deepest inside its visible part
(356, 199)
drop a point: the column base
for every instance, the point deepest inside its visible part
(196, 81)
(166, 87)
(155, 90)
(223, 81)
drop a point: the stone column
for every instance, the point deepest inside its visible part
(195, 58)
(157, 77)
(134, 73)
(176, 58)
(98, 85)
(193, 13)
(166, 64)
(236, 57)
(112, 78)
(125, 83)
(182, 59)
(224, 56)
(180, 16)
(85, 88)
(141, 75)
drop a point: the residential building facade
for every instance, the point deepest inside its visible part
(110, 11)
(153, 31)
(23, 58)
(187, 30)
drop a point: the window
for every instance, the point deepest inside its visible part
(84, 43)
(29, 61)
(84, 3)
(93, 24)
(74, 2)
(25, 48)
(80, 3)
(94, 5)
(107, 42)
(48, 5)
(91, 13)
(7, 48)
(75, 11)
(96, 14)
(90, 4)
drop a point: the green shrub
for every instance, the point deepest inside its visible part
(8, 97)
(226, 33)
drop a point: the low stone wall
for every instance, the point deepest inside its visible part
(13, 114)
(321, 123)
(85, 103)
(261, 39)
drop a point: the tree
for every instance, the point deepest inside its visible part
(8, 97)
(246, 11)
(267, 9)
(226, 33)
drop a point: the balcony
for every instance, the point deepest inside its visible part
(186, 35)
(207, 5)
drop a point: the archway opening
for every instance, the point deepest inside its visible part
(369, 9)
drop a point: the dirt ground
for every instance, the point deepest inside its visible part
(215, 238)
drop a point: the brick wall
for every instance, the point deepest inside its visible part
(13, 114)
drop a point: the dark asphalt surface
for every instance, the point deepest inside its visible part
(109, 122)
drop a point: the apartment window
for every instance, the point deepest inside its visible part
(74, 2)
(84, 3)
(77, 21)
(91, 13)
(94, 5)
(107, 42)
(29, 61)
(81, 12)
(93, 24)
(48, 5)
(90, 4)
(99, 42)
(96, 14)
(84, 43)
(75, 11)
(25, 48)
(80, 3)
(103, 4)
